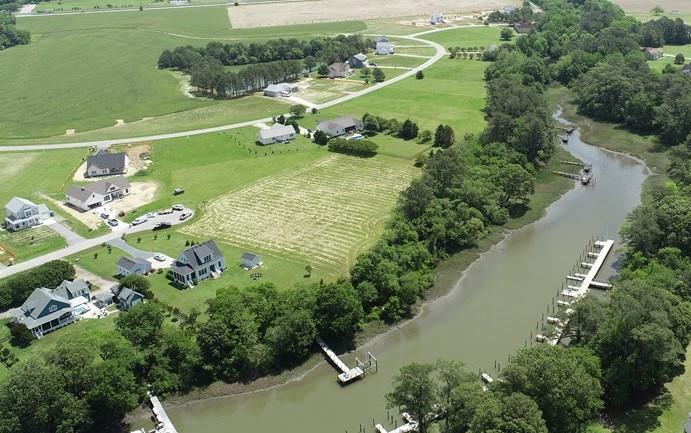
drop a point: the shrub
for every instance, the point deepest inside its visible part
(362, 148)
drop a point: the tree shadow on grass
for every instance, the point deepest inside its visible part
(642, 419)
(517, 210)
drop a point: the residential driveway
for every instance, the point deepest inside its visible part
(70, 237)
(102, 283)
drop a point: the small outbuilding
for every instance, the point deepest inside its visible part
(654, 53)
(128, 298)
(127, 266)
(250, 261)
(276, 134)
(523, 27)
(104, 299)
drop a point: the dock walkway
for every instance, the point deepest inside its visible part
(588, 279)
(163, 423)
(409, 426)
(346, 374)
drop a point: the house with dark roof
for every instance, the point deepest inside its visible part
(339, 70)
(358, 61)
(197, 263)
(98, 193)
(340, 126)
(104, 163)
(127, 266)
(47, 310)
(128, 298)
(21, 213)
(250, 261)
(104, 298)
(523, 27)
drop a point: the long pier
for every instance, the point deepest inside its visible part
(348, 375)
(588, 280)
(163, 423)
(409, 426)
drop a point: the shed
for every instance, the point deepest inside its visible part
(358, 61)
(251, 261)
(654, 53)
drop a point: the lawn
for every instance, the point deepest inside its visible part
(323, 213)
(416, 50)
(396, 60)
(98, 260)
(452, 92)
(210, 165)
(115, 75)
(466, 38)
(29, 243)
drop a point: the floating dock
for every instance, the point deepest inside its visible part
(348, 375)
(409, 426)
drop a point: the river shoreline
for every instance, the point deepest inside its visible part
(450, 273)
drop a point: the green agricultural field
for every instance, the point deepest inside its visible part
(324, 213)
(466, 38)
(419, 100)
(210, 165)
(102, 67)
(28, 243)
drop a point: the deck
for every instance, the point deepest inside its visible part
(347, 374)
(588, 280)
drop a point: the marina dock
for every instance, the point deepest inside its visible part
(409, 426)
(163, 423)
(587, 280)
(346, 374)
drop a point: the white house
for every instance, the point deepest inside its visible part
(340, 126)
(384, 46)
(21, 214)
(277, 133)
(104, 163)
(98, 193)
(280, 89)
(436, 18)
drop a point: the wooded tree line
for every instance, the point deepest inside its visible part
(271, 62)
(15, 290)
(9, 35)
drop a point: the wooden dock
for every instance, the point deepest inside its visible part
(588, 280)
(409, 426)
(163, 423)
(347, 374)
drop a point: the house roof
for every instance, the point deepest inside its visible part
(382, 39)
(361, 57)
(523, 25)
(71, 289)
(338, 67)
(16, 205)
(128, 295)
(280, 87)
(193, 257)
(133, 263)
(100, 187)
(106, 160)
(104, 296)
(338, 123)
(277, 130)
(38, 300)
(251, 257)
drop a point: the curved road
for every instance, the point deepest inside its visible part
(440, 53)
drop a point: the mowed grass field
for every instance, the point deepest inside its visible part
(84, 72)
(325, 212)
(466, 38)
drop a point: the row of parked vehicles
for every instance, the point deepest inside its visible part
(185, 214)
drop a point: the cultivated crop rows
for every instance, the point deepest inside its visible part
(324, 213)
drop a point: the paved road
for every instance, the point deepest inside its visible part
(70, 237)
(86, 244)
(440, 53)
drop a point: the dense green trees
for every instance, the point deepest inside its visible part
(444, 136)
(363, 148)
(14, 290)
(9, 35)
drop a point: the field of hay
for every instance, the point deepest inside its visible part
(326, 211)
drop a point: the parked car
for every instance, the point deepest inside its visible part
(150, 215)
(113, 222)
(105, 216)
(178, 207)
(185, 215)
(160, 257)
(178, 191)
(139, 220)
(165, 212)
(162, 225)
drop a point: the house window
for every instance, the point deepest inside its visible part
(52, 308)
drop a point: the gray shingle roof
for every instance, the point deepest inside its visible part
(192, 258)
(106, 160)
(16, 205)
(361, 57)
(71, 289)
(132, 263)
(338, 123)
(277, 130)
(100, 187)
(128, 295)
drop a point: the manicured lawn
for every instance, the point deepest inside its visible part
(418, 51)
(207, 166)
(394, 146)
(115, 76)
(452, 92)
(466, 38)
(396, 60)
(98, 261)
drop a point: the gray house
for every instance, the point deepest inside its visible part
(98, 193)
(250, 261)
(197, 263)
(104, 299)
(104, 163)
(46, 310)
(21, 214)
(340, 126)
(280, 89)
(383, 46)
(128, 298)
(358, 61)
(133, 266)
(339, 70)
